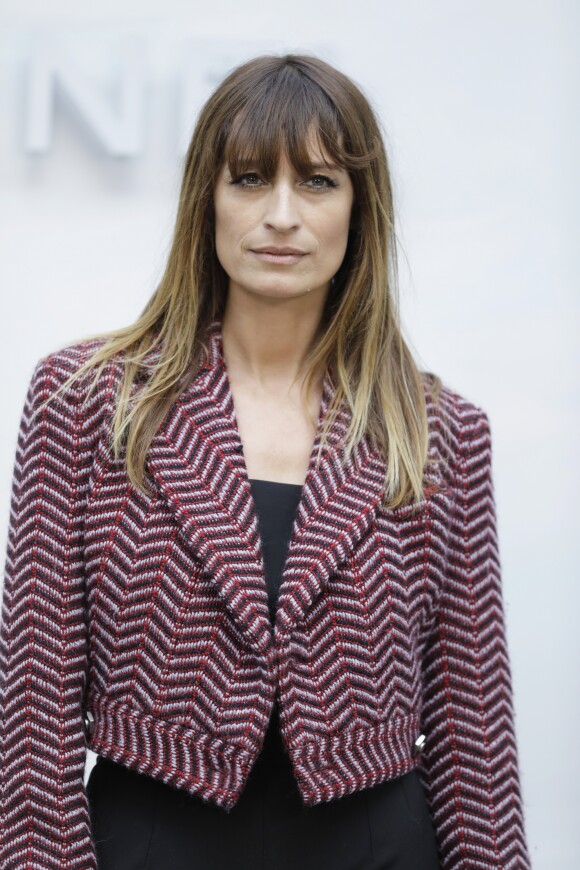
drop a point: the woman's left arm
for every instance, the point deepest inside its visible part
(470, 760)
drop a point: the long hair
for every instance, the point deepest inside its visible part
(265, 107)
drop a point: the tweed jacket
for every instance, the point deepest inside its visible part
(138, 625)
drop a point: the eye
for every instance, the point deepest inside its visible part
(248, 179)
(321, 182)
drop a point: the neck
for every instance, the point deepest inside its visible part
(267, 345)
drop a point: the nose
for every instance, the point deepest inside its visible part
(282, 212)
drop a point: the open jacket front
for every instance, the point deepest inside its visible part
(139, 626)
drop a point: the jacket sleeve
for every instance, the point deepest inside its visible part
(44, 819)
(470, 764)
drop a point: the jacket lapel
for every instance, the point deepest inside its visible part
(196, 462)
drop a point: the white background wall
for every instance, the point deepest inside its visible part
(479, 104)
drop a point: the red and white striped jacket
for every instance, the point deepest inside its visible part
(139, 626)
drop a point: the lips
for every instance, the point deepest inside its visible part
(279, 251)
(279, 256)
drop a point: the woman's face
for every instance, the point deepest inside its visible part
(254, 218)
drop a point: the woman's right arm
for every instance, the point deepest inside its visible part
(44, 818)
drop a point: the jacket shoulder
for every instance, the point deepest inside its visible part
(54, 369)
(454, 420)
(82, 399)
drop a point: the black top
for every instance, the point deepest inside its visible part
(276, 505)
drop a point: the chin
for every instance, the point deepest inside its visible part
(287, 289)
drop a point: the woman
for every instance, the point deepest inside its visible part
(253, 560)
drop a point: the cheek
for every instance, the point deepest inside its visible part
(231, 226)
(221, 224)
(227, 235)
(334, 229)
(334, 236)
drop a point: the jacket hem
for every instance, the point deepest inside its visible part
(356, 760)
(194, 761)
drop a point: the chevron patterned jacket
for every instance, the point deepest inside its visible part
(139, 626)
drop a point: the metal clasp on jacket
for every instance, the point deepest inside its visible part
(419, 745)
(89, 720)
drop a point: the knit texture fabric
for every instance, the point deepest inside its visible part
(150, 613)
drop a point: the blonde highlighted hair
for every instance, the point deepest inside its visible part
(265, 107)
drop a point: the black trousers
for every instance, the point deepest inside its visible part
(139, 823)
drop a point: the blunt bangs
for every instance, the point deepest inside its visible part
(286, 113)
